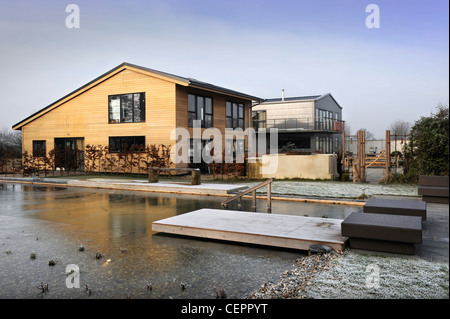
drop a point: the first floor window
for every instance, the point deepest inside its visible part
(39, 148)
(234, 115)
(200, 108)
(259, 120)
(126, 108)
(120, 144)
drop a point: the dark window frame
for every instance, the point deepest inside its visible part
(39, 148)
(259, 119)
(196, 113)
(118, 146)
(122, 115)
(230, 116)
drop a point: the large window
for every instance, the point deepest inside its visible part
(126, 108)
(119, 144)
(39, 148)
(235, 115)
(200, 108)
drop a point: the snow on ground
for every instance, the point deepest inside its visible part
(359, 276)
(337, 189)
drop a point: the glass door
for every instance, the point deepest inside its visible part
(69, 153)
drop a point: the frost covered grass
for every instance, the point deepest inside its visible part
(360, 276)
(338, 189)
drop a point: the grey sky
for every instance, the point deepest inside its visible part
(399, 71)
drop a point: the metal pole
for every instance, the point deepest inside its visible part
(269, 198)
(254, 200)
(343, 152)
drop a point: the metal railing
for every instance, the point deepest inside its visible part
(253, 191)
(307, 124)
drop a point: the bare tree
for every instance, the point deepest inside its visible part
(369, 135)
(347, 129)
(400, 127)
(11, 140)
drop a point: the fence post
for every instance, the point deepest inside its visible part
(152, 175)
(388, 153)
(195, 177)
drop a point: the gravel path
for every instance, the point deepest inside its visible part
(353, 275)
(294, 281)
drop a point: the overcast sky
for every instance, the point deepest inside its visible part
(259, 47)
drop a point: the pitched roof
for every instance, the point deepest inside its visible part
(175, 78)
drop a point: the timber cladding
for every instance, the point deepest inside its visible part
(84, 113)
(219, 107)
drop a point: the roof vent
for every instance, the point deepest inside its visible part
(282, 95)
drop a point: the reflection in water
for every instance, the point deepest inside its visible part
(53, 221)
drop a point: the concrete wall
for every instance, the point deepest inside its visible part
(319, 166)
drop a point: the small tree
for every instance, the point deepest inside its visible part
(428, 150)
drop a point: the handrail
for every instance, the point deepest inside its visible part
(253, 191)
(309, 123)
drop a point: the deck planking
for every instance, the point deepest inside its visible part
(285, 231)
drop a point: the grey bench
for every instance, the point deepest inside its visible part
(383, 232)
(434, 189)
(396, 207)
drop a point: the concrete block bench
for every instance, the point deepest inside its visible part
(153, 174)
(396, 207)
(434, 189)
(383, 232)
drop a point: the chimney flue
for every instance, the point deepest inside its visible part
(282, 95)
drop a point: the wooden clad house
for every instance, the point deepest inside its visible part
(132, 105)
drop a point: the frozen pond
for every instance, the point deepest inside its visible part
(333, 189)
(53, 222)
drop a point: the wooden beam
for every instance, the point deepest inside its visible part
(388, 152)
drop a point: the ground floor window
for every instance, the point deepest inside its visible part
(324, 144)
(120, 144)
(235, 149)
(294, 141)
(69, 153)
(39, 149)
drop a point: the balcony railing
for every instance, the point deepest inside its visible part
(300, 124)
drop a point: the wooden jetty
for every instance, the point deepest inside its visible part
(286, 231)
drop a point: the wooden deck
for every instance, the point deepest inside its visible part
(160, 187)
(286, 231)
